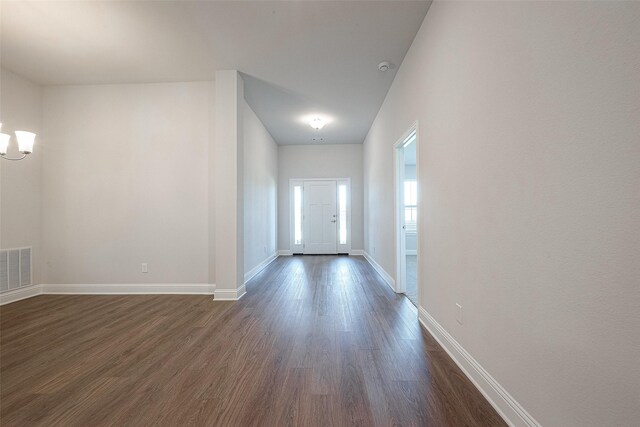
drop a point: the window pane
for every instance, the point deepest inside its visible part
(410, 193)
(342, 210)
(297, 215)
(410, 205)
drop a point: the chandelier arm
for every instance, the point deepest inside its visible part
(13, 159)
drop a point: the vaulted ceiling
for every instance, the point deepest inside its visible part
(298, 58)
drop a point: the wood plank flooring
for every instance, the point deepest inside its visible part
(317, 341)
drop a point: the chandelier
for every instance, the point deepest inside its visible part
(25, 144)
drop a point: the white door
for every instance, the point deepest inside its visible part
(320, 217)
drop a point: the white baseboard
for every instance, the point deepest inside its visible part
(229, 294)
(381, 271)
(125, 289)
(258, 268)
(106, 289)
(20, 294)
(353, 252)
(508, 408)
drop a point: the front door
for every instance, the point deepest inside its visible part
(320, 221)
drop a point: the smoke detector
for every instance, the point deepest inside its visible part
(384, 66)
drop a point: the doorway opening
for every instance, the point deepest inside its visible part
(406, 171)
(320, 216)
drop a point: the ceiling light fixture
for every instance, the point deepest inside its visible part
(25, 144)
(317, 123)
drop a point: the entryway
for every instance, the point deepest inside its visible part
(320, 216)
(407, 214)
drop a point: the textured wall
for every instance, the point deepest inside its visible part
(260, 191)
(529, 119)
(21, 182)
(125, 182)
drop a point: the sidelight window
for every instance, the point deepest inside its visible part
(297, 214)
(342, 213)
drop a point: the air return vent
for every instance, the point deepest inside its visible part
(25, 267)
(4, 272)
(15, 268)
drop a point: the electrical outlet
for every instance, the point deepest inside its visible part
(374, 250)
(459, 313)
(145, 267)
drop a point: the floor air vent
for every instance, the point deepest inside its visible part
(15, 268)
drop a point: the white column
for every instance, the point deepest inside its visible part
(227, 163)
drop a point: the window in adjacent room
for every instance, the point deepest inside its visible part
(410, 204)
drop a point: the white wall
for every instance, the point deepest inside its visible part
(320, 161)
(529, 119)
(260, 191)
(20, 182)
(125, 181)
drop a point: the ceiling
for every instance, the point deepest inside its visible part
(298, 58)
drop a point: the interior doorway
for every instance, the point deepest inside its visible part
(320, 216)
(407, 214)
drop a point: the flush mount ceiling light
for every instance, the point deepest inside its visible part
(25, 144)
(317, 123)
(315, 118)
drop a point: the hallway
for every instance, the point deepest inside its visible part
(317, 340)
(412, 279)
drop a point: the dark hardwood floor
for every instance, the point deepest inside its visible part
(317, 341)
